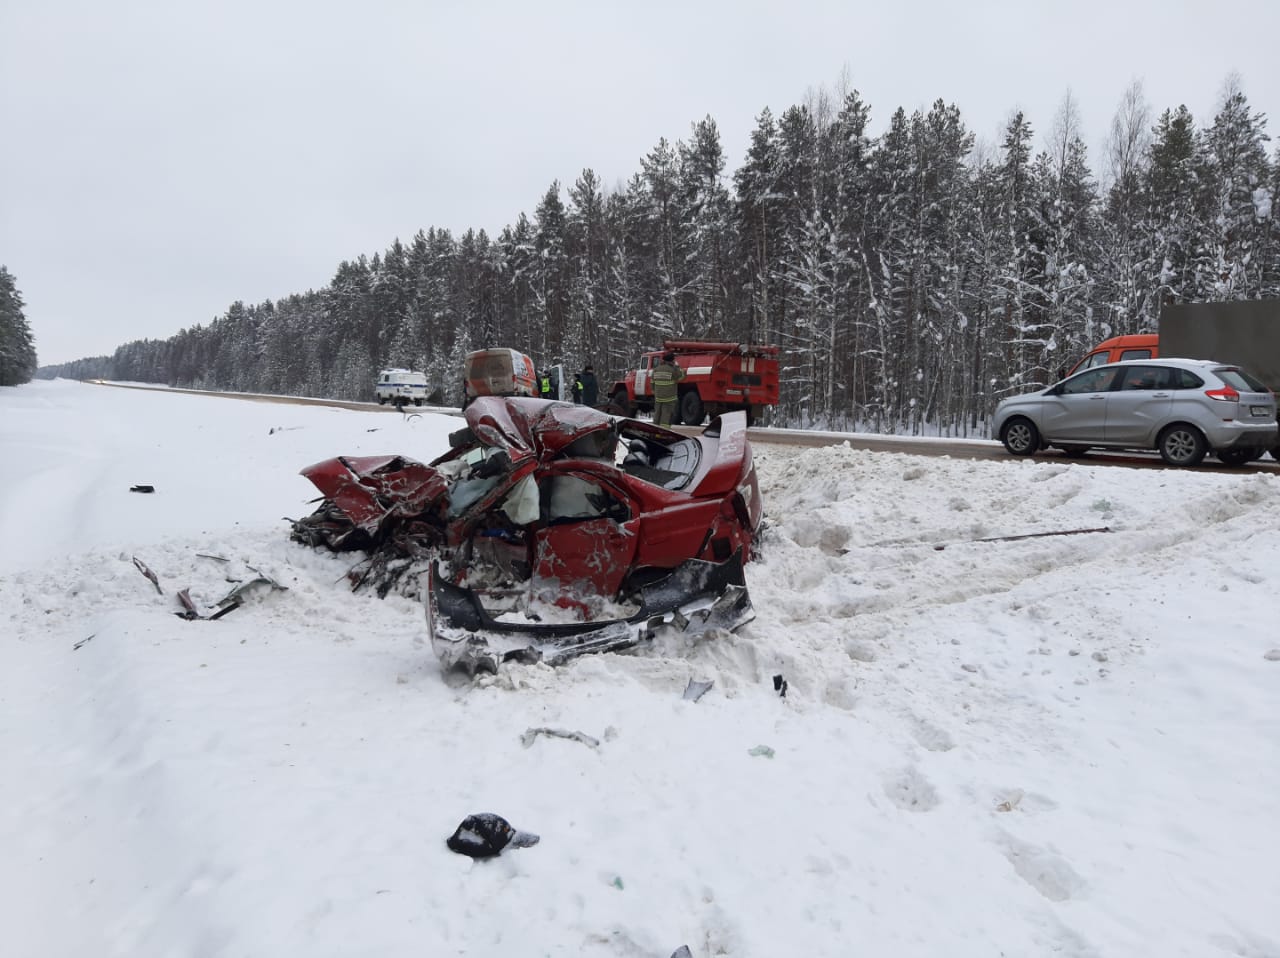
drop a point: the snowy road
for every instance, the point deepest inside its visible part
(1059, 745)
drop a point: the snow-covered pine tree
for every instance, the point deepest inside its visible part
(17, 349)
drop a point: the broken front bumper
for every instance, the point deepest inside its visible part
(696, 597)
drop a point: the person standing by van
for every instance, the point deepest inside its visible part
(590, 388)
(544, 386)
(665, 392)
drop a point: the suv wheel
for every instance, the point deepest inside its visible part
(1238, 457)
(1020, 436)
(1181, 445)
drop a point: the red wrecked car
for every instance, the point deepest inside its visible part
(552, 529)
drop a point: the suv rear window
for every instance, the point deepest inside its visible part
(1237, 378)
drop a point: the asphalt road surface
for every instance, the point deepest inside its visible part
(911, 445)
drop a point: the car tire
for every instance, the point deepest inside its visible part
(417, 402)
(1074, 452)
(382, 400)
(691, 411)
(1020, 436)
(1181, 445)
(1238, 457)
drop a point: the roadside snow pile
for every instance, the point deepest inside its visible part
(1063, 744)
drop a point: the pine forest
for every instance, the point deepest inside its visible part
(912, 278)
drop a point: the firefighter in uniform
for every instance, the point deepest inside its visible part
(665, 377)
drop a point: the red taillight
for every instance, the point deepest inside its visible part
(1225, 394)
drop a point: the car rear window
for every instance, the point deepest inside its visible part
(1135, 354)
(492, 366)
(1237, 378)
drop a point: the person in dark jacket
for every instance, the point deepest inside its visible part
(590, 388)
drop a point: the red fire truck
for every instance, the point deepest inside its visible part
(718, 377)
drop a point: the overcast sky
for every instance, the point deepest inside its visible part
(162, 159)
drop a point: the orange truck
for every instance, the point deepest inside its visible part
(718, 378)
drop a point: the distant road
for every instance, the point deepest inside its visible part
(912, 445)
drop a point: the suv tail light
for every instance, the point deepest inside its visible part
(1225, 394)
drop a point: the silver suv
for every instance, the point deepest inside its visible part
(1183, 408)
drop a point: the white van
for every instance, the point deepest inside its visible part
(400, 387)
(498, 372)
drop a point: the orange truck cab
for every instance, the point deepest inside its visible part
(1117, 348)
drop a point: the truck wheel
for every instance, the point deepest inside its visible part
(382, 400)
(624, 405)
(691, 411)
(417, 402)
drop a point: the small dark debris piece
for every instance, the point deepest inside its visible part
(485, 835)
(780, 685)
(82, 641)
(142, 488)
(189, 610)
(151, 576)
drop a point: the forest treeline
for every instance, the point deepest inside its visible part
(17, 348)
(911, 278)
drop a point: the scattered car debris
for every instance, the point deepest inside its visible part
(82, 642)
(237, 595)
(697, 688)
(531, 735)
(551, 530)
(191, 613)
(780, 686)
(763, 751)
(142, 488)
(485, 835)
(151, 576)
(210, 555)
(682, 952)
(1031, 535)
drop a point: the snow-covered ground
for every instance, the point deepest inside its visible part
(1064, 745)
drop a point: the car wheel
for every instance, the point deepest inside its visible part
(417, 402)
(1074, 452)
(382, 400)
(1020, 436)
(691, 411)
(1238, 457)
(1181, 445)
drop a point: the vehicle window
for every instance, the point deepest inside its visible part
(491, 367)
(574, 499)
(1237, 378)
(1093, 381)
(1146, 377)
(1135, 354)
(1186, 379)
